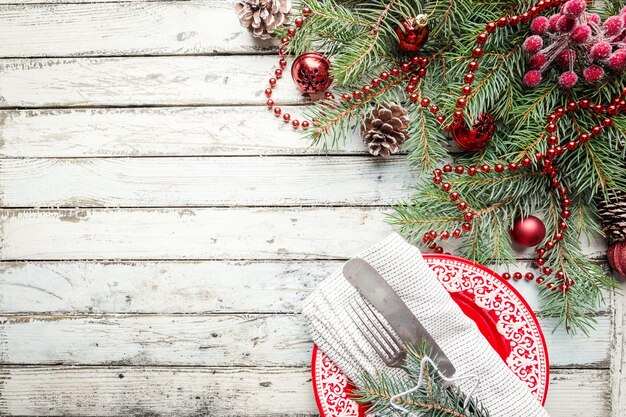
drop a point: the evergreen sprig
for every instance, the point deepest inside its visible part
(434, 398)
(360, 39)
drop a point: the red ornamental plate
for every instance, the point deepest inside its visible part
(501, 314)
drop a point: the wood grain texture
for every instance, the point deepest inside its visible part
(181, 287)
(124, 28)
(203, 233)
(158, 287)
(165, 131)
(214, 340)
(253, 233)
(618, 355)
(222, 392)
(137, 81)
(189, 182)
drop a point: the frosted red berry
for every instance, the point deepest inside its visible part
(580, 34)
(574, 8)
(617, 60)
(593, 74)
(537, 61)
(532, 78)
(565, 24)
(568, 79)
(533, 44)
(566, 57)
(600, 50)
(539, 25)
(613, 25)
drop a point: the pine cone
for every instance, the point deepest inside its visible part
(613, 216)
(261, 17)
(385, 129)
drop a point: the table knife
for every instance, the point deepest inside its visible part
(373, 287)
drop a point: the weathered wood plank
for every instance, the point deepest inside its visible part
(130, 391)
(260, 233)
(215, 181)
(618, 356)
(136, 81)
(214, 340)
(169, 131)
(124, 28)
(182, 287)
(138, 392)
(158, 287)
(197, 233)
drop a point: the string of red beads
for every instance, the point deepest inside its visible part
(546, 161)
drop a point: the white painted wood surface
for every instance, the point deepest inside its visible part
(159, 228)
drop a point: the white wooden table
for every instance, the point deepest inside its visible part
(159, 229)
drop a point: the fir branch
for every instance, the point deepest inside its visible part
(434, 398)
(331, 122)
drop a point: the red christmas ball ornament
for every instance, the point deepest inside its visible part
(413, 33)
(476, 138)
(528, 231)
(311, 72)
(617, 258)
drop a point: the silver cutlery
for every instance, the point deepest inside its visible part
(402, 327)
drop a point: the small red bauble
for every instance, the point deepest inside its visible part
(478, 137)
(617, 258)
(311, 72)
(413, 33)
(529, 231)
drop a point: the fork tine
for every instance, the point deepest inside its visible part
(385, 356)
(394, 338)
(366, 331)
(375, 329)
(386, 344)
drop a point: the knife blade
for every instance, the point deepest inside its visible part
(373, 287)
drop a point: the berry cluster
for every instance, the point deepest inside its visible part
(573, 35)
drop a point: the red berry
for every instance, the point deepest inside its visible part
(574, 8)
(537, 61)
(565, 24)
(593, 18)
(568, 79)
(593, 74)
(539, 25)
(533, 44)
(566, 57)
(617, 60)
(532, 78)
(580, 34)
(613, 25)
(552, 22)
(600, 50)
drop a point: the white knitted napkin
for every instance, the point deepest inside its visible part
(328, 313)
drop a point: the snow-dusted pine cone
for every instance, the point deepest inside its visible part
(385, 129)
(613, 216)
(261, 17)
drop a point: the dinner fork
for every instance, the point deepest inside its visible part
(380, 336)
